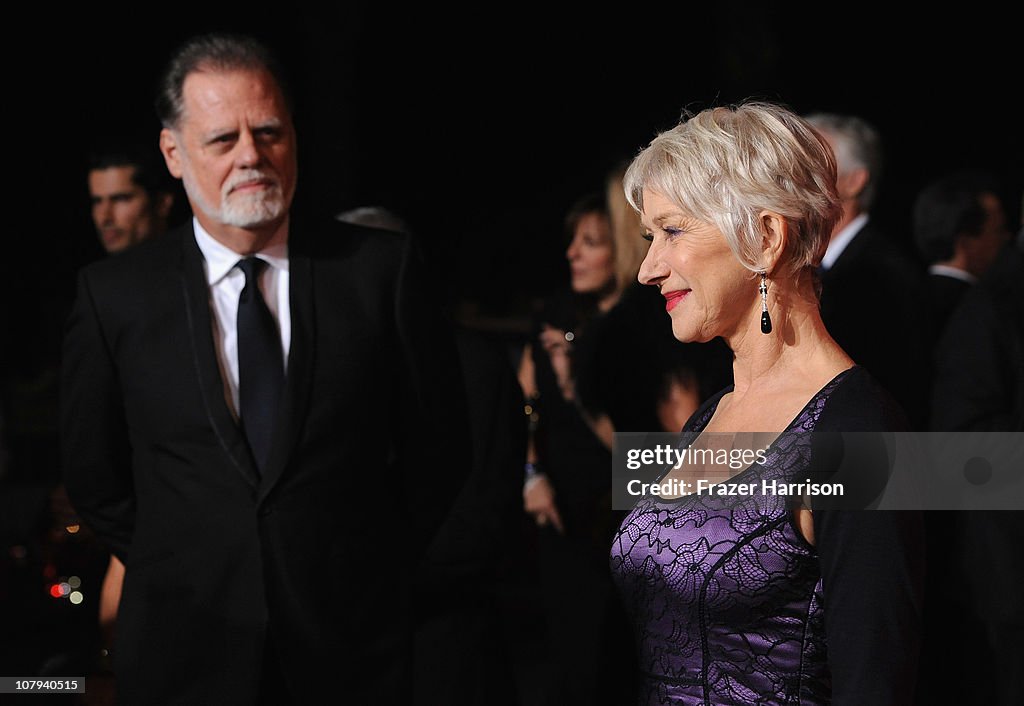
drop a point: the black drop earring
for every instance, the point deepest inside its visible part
(766, 319)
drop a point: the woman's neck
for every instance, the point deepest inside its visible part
(607, 300)
(799, 346)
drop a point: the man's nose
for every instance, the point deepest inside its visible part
(103, 212)
(247, 153)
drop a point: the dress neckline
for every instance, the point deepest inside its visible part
(709, 412)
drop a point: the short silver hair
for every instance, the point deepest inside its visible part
(857, 145)
(725, 165)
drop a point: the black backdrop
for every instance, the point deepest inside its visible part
(481, 125)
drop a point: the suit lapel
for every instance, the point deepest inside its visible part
(291, 415)
(204, 356)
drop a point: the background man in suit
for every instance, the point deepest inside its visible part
(871, 283)
(250, 406)
(131, 194)
(979, 387)
(132, 198)
(959, 227)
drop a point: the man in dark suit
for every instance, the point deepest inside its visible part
(959, 228)
(979, 388)
(871, 284)
(263, 419)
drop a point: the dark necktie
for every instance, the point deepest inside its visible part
(260, 363)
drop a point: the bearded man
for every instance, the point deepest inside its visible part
(249, 407)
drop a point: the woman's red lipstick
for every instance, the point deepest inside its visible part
(673, 298)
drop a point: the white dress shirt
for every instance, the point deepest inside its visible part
(226, 282)
(842, 239)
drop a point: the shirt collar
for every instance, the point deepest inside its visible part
(842, 239)
(220, 259)
(954, 272)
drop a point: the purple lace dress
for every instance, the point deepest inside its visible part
(727, 598)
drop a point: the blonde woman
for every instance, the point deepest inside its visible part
(763, 598)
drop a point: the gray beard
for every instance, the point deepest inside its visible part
(240, 210)
(250, 210)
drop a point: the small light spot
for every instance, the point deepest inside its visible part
(76, 597)
(73, 529)
(74, 581)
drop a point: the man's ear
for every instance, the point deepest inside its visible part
(169, 147)
(775, 234)
(850, 184)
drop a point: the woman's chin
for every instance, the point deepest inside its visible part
(688, 334)
(683, 333)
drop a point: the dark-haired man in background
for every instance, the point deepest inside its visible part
(131, 194)
(959, 227)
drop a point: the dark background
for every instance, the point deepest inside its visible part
(479, 125)
(482, 125)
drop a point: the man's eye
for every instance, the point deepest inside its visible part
(648, 236)
(268, 133)
(672, 232)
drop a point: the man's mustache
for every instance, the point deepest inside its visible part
(250, 177)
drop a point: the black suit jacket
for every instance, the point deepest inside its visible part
(979, 388)
(315, 559)
(462, 656)
(873, 306)
(942, 294)
(979, 376)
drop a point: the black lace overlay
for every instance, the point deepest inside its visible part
(725, 595)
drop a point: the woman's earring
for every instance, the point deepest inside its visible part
(766, 319)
